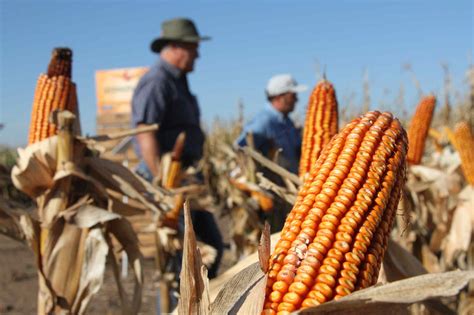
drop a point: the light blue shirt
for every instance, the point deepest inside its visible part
(271, 128)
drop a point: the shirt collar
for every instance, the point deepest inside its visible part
(275, 113)
(174, 71)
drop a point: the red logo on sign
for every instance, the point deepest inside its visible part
(126, 76)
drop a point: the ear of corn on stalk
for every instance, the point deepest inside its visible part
(463, 141)
(173, 178)
(334, 239)
(53, 92)
(321, 124)
(419, 128)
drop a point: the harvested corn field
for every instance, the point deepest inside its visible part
(320, 192)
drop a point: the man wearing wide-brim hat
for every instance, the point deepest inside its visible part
(181, 30)
(162, 96)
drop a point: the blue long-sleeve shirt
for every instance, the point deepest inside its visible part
(270, 127)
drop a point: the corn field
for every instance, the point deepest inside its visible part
(381, 214)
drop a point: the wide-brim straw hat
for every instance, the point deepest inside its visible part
(177, 30)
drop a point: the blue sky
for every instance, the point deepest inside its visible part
(251, 41)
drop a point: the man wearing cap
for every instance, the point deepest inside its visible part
(162, 96)
(272, 128)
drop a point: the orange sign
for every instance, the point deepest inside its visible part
(115, 89)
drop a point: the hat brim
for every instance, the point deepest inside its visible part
(299, 88)
(160, 42)
(293, 89)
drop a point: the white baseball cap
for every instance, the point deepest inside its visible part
(283, 83)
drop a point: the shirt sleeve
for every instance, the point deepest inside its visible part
(257, 128)
(149, 103)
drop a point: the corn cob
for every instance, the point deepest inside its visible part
(60, 64)
(40, 111)
(60, 100)
(334, 239)
(463, 141)
(44, 127)
(264, 199)
(52, 93)
(320, 126)
(173, 177)
(40, 85)
(419, 127)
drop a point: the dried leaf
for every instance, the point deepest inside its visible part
(63, 258)
(430, 261)
(99, 189)
(459, 236)
(217, 284)
(119, 178)
(264, 248)
(399, 264)
(427, 174)
(437, 238)
(118, 135)
(130, 191)
(10, 220)
(93, 269)
(205, 304)
(466, 305)
(102, 170)
(86, 216)
(35, 168)
(255, 298)
(124, 205)
(419, 288)
(467, 196)
(123, 232)
(55, 201)
(272, 166)
(116, 271)
(384, 299)
(285, 194)
(357, 308)
(229, 298)
(194, 291)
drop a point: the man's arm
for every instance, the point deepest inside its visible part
(148, 107)
(150, 150)
(257, 127)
